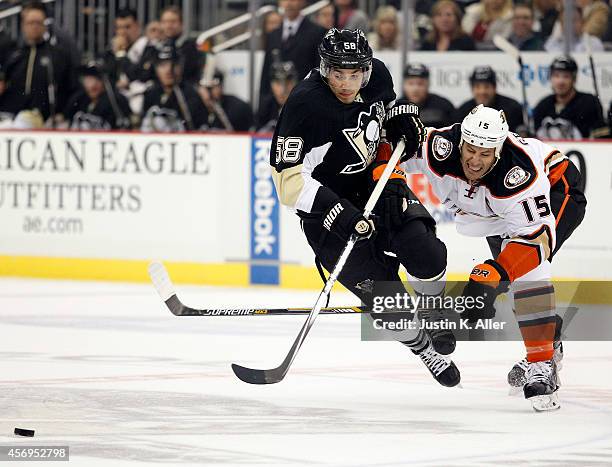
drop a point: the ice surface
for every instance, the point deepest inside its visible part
(106, 369)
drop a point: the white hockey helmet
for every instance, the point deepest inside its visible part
(485, 127)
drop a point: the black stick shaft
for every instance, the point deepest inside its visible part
(179, 309)
(594, 76)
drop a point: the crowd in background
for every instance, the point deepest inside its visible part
(157, 79)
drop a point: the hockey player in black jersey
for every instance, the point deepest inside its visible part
(327, 137)
(567, 113)
(434, 110)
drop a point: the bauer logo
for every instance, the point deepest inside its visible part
(264, 268)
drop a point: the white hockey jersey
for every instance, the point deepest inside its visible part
(512, 200)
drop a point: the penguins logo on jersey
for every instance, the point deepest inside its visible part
(515, 177)
(364, 137)
(442, 148)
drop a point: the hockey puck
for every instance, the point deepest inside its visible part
(24, 432)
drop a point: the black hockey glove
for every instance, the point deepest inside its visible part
(487, 281)
(402, 121)
(344, 219)
(393, 199)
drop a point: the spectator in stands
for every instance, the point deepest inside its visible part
(484, 89)
(349, 17)
(487, 18)
(297, 41)
(326, 17)
(556, 42)
(271, 21)
(172, 29)
(34, 67)
(447, 33)
(173, 104)
(284, 79)
(546, 14)
(386, 33)
(595, 17)
(123, 60)
(97, 106)
(225, 112)
(153, 33)
(434, 110)
(523, 36)
(567, 113)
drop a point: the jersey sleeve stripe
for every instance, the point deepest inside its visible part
(556, 172)
(565, 200)
(295, 186)
(312, 159)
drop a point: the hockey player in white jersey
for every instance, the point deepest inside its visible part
(523, 196)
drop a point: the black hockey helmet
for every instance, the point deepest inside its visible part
(345, 49)
(167, 52)
(93, 68)
(564, 63)
(483, 74)
(416, 70)
(283, 71)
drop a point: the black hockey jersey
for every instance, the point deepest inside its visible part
(322, 147)
(436, 111)
(83, 114)
(512, 109)
(578, 119)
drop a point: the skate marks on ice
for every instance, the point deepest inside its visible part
(405, 424)
(118, 379)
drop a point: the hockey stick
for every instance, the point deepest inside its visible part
(592, 64)
(505, 46)
(165, 289)
(274, 375)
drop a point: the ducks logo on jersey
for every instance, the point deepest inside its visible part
(442, 148)
(515, 177)
(364, 137)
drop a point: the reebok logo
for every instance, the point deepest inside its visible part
(331, 215)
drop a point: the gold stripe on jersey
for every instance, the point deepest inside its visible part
(554, 158)
(289, 184)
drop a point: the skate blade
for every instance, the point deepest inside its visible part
(545, 403)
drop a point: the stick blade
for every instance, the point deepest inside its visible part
(252, 376)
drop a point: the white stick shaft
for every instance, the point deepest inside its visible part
(382, 181)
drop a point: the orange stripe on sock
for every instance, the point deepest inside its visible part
(538, 341)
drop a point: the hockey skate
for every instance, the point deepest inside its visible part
(441, 368)
(516, 376)
(443, 340)
(542, 384)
